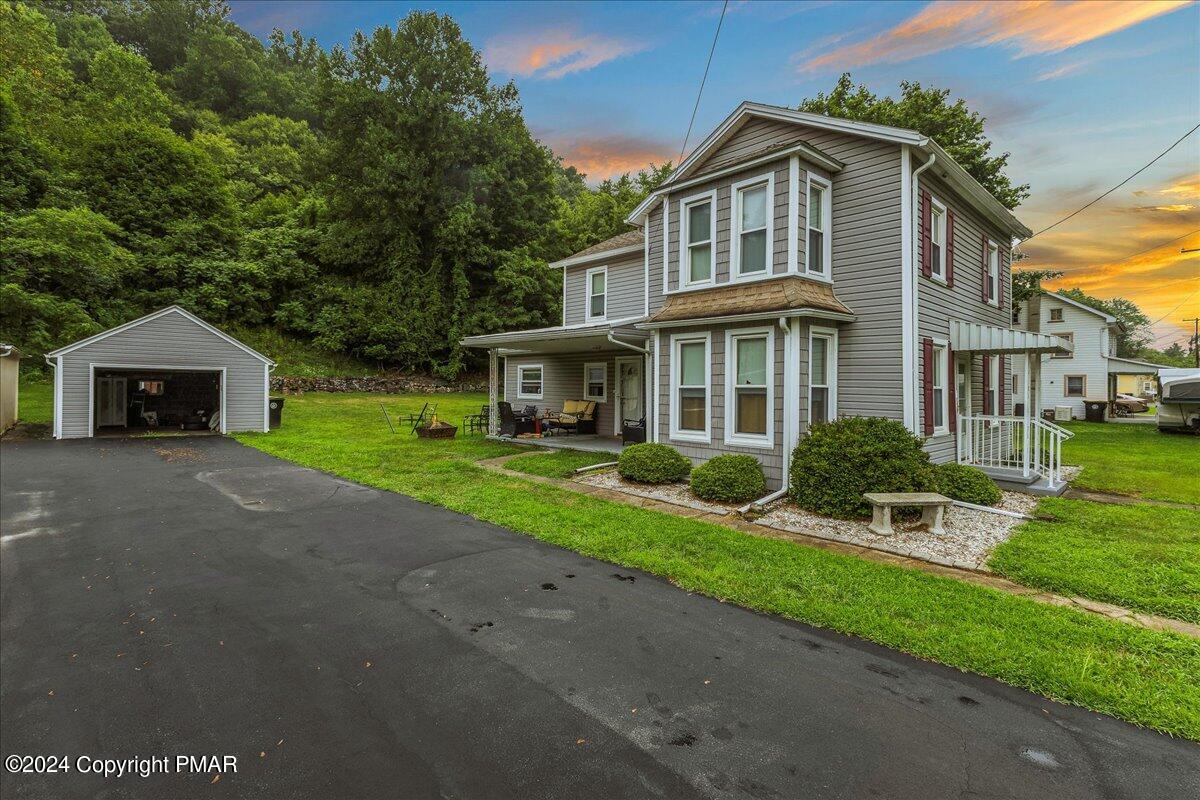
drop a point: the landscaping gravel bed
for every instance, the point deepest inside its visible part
(970, 535)
(675, 493)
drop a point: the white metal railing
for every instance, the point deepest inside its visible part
(1031, 445)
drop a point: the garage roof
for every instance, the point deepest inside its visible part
(160, 313)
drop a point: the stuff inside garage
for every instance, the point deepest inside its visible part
(133, 399)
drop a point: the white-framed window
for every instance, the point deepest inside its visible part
(819, 226)
(937, 239)
(697, 240)
(993, 273)
(1074, 385)
(750, 387)
(691, 376)
(1147, 387)
(750, 237)
(529, 381)
(596, 281)
(1070, 337)
(1056, 315)
(595, 381)
(940, 388)
(822, 374)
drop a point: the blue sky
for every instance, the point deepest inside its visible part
(1081, 94)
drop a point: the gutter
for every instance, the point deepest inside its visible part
(643, 350)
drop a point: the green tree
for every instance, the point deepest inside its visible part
(952, 125)
(593, 215)
(25, 170)
(33, 65)
(1135, 335)
(122, 88)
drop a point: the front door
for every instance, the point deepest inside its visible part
(630, 396)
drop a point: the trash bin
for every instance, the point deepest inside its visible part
(1094, 410)
(276, 406)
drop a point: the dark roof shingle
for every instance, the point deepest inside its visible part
(787, 293)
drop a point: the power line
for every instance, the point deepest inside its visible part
(1118, 186)
(703, 80)
(1139, 252)
(1176, 308)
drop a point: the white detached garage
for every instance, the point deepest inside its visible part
(169, 369)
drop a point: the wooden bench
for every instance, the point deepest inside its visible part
(933, 507)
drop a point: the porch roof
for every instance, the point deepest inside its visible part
(563, 338)
(1131, 366)
(786, 295)
(976, 337)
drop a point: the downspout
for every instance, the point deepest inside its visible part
(914, 204)
(643, 350)
(56, 428)
(788, 412)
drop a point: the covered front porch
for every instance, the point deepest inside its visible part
(1023, 449)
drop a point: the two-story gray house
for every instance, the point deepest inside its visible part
(797, 268)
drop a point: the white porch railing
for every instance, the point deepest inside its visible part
(1031, 446)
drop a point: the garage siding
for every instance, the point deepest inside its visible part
(171, 340)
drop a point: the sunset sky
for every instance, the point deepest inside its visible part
(1081, 93)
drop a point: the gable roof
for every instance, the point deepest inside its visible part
(955, 174)
(153, 316)
(627, 242)
(1082, 306)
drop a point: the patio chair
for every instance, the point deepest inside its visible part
(577, 416)
(477, 423)
(512, 424)
(633, 431)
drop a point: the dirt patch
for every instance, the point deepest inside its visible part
(25, 431)
(184, 455)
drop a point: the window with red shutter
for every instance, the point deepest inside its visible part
(927, 382)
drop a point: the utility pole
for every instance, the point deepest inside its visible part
(1195, 338)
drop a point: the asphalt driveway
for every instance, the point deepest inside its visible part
(196, 597)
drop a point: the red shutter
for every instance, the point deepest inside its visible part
(926, 245)
(1000, 388)
(987, 384)
(928, 385)
(950, 248)
(952, 376)
(1000, 278)
(983, 270)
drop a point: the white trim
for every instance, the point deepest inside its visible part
(93, 365)
(62, 351)
(266, 400)
(994, 298)
(826, 232)
(1082, 306)
(656, 377)
(677, 434)
(599, 255)
(684, 231)
(907, 290)
(564, 299)
(791, 394)
(541, 382)
(947, 377)
(588, 318)
(666, 228)
(793, 229)
(813, 313)
(492, 339)
(58, 397)
(618, 412)
(735, 227)
(831, 364)
(587, 365)
(937, 205)
(645, 269)
(732, 437)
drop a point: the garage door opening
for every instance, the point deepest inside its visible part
(132, 401)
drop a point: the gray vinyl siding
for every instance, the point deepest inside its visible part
(171, 340)
(938, 303)
(771, 458)
(654, 229)
(562, 379)
(625, 287)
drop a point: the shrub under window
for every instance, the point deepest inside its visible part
(966, 483)
(837, 462)
(653, 463)
(729, 478)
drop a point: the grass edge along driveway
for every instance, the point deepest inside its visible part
(1134, 460)
(1143, 676)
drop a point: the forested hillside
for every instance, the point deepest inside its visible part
(378, 201)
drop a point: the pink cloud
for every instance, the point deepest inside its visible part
(554, 54)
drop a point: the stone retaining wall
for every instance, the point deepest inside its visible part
(385, 384)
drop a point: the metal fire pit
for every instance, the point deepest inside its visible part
(437, 431)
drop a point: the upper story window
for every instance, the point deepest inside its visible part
(749, 387)
(937, 240)
(698, 235)
(819, 239)
(991, 287)
(597, 293)
(1070, 337)
(752, 211)
(1056, 315)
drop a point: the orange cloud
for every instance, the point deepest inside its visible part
(1175, 208)
(1187, 188)
(554, 54)
(1034, 26)
(600, 157)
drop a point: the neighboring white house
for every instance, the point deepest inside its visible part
(1090, 370)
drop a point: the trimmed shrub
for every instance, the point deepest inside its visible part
(965, 483)
(837, 462)
(653, 463)
(729, 479)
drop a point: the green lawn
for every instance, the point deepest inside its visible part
(35, 402)
(557, 463)
(1139, 556)
(1135, 460)
(1144, 676)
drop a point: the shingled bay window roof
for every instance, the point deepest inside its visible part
(785, 295)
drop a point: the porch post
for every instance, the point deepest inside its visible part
(1025, 431)
(493, 392)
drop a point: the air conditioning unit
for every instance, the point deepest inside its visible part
(1062, 413)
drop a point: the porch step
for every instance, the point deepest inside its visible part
(1012, 480)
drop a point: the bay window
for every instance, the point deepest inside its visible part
(752, 213)
(749, 387)
(690, 377)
